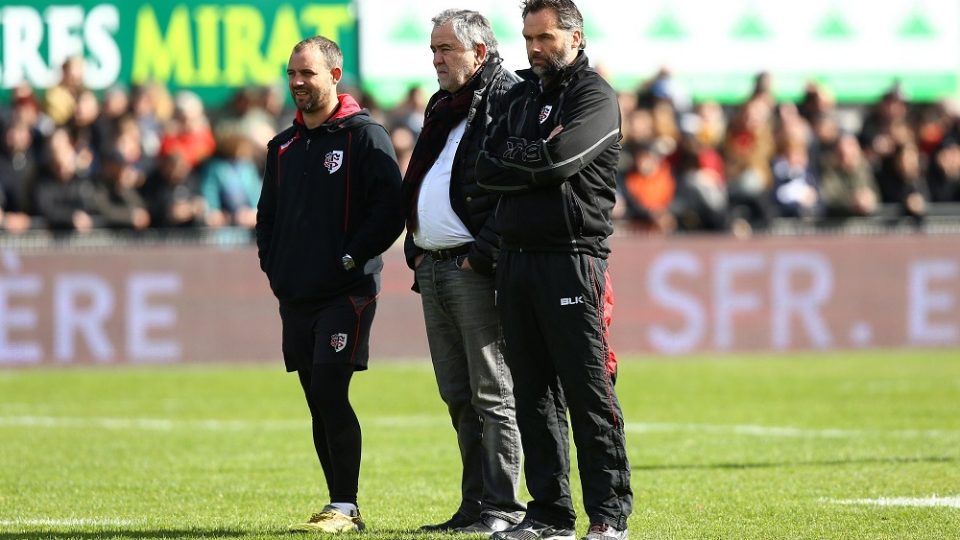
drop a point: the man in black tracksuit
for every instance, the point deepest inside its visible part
(553, 157)
(330, 205)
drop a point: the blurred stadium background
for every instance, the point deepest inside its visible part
(789, 224)
(153, 107)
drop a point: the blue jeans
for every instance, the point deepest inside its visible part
(463, 331)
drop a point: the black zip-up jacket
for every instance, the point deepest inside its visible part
(328, 192)
(474, 206)
(558, 194)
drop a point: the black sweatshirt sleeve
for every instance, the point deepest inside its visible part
(511, 163)
(267, 206)
(381, 220)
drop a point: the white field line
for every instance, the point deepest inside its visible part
(69, 522)
(160, 424)
(411, 421)
(921, 502)
(782, 431)
(148, 424)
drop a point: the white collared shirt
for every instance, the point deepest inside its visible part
(438, 226)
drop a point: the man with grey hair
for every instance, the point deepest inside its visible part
(553, 156)
(452, 249)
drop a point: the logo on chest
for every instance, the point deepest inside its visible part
(333, 160)
(545, 113)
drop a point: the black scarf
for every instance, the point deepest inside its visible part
(447, 111)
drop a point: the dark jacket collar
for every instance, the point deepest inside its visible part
(490, 69)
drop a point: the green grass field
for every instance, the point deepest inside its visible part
(776, 446)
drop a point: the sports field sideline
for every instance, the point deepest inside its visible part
(843, 445)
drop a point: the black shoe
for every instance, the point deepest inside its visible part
(486, 525)
(530, 529)
(456, 522)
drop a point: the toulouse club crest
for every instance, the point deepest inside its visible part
(545, 113)
(338, 342)
(333, 160)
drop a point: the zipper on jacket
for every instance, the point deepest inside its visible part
(307, 152)
(567, 201)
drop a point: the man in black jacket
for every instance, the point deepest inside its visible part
(452, 248)
(553, 157)
(329, 206)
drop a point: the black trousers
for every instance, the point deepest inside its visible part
(551, 309)
(325, 343)
(336, 429)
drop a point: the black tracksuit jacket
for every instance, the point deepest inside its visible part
(328, 192)
(558, 194)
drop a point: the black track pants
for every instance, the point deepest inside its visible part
(551, 309)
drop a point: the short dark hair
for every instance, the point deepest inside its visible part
(470, 27)
(568, 16)
(329, 49)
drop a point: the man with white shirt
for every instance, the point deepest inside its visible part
(453, 249)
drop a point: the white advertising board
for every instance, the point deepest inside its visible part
(857, 47)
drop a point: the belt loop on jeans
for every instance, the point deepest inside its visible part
(449, 253)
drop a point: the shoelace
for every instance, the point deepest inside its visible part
(599, 528)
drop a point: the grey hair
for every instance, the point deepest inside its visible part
(470, 27)
(568, 16)
(329, 49)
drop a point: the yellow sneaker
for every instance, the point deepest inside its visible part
(330, 520)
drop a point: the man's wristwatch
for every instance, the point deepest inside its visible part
(348, 263)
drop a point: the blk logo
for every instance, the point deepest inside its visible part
(571, 301)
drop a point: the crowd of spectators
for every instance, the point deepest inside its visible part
(701, 166)
(74, 160)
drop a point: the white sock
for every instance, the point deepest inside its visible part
(348, 509)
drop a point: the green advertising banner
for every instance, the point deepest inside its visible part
(207, 46)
